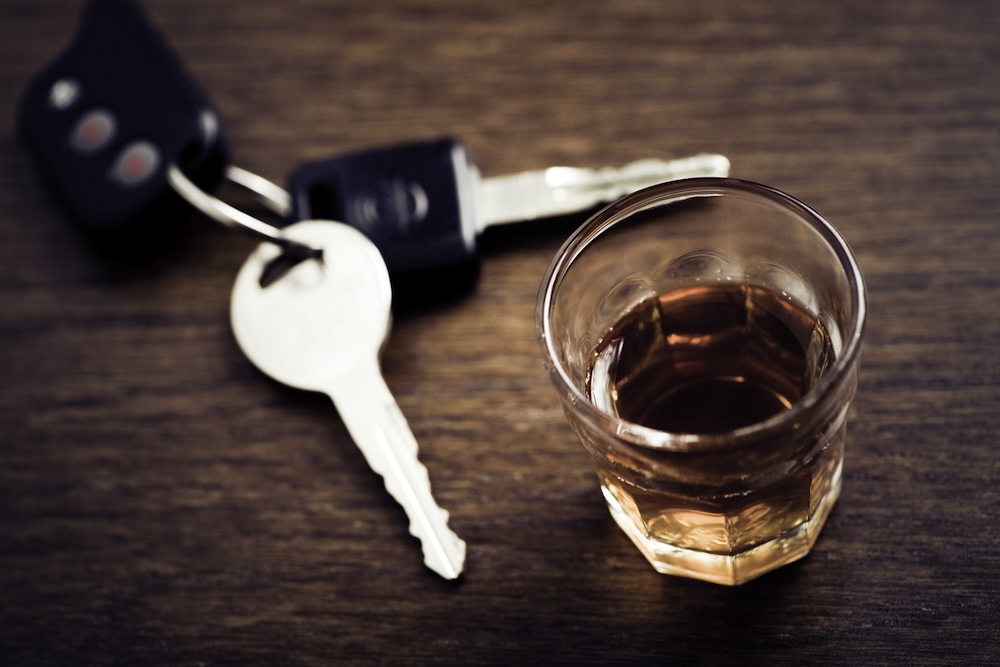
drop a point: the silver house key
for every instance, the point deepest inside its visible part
(320, 327)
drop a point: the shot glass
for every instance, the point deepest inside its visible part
(704, 338)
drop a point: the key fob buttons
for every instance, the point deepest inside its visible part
(136, 163)
(106, 117)
(93, 131)
(64, 94)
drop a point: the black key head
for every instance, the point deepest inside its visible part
(414, 201)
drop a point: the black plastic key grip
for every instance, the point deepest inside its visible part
(414, 201)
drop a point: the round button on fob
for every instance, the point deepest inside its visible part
(93, 131)
(64, 94)
(136, 163)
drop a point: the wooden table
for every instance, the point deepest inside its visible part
(162, 502)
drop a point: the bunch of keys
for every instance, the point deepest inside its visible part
(124, 136)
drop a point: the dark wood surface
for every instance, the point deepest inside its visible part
(162, 502)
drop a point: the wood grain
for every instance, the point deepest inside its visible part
(161, 502)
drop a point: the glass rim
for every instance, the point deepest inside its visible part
(666, 193)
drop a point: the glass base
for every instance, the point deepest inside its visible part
(728, 569)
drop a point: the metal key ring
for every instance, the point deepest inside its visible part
(272, 195)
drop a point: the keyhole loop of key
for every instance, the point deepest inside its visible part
(292, 252)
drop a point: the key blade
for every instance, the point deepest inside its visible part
(561, 190)
(383, 435)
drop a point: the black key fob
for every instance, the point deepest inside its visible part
(415, 201)
(107, 117)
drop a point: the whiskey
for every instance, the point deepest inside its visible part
(703, 337)
(710, 360)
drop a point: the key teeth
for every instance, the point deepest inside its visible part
(381, 432)
(444, 551)
(449, 562)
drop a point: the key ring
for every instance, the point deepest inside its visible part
(270, 194)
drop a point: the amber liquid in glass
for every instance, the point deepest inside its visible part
(711, 360)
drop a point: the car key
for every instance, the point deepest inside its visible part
(106, 119)
(124, 135)
(320, 327)
(424, 203)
